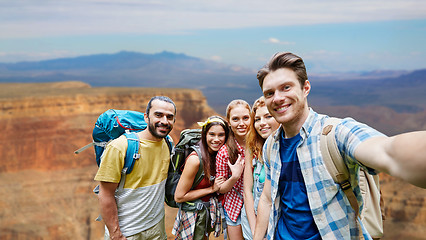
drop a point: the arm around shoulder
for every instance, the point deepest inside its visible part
(402, 156)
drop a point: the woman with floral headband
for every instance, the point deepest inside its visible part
(230, 165)
(196, 225)
(261, 126)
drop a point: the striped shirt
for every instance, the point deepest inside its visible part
(140, 203)
(330, 208)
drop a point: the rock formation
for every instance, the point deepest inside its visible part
(47, 189)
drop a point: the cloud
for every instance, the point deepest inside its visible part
(40, 18)
(34, 55)
(216, 58)
(277, 41)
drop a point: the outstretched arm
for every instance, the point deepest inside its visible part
(402, 156)
(109, 209)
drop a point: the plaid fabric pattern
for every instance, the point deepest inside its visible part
(184, 225)
(216, 217)
(232, 202)
(185, 222)
(330, 208)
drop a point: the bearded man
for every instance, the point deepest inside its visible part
(135, 208)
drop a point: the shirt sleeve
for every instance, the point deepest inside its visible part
(112, 161)
(349, 134)
(222, 159)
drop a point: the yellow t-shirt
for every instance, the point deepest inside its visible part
(140, 203)
(150, 169)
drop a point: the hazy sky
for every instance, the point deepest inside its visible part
(330, 35)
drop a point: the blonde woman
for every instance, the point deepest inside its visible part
(230, 166)
(261, 126)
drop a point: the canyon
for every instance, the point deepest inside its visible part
(47, 189)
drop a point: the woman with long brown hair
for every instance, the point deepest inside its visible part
(214, 134)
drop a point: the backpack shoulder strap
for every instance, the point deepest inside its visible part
(200, 174)
(169, 142)
(132, 152)
(334, 162)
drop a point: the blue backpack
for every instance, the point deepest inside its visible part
(111, 125)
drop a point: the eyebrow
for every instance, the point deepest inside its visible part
(266, 90)
(283, 83)
(162, 113)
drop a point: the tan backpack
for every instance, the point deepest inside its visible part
(372, 214)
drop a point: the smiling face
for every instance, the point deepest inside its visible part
(239, 120)
(285, 98)
(161, 119)
(264, 122)
(215, 138)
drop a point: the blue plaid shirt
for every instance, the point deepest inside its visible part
(330, 208)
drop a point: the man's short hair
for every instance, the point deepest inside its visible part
(161, 98)
(284, 60)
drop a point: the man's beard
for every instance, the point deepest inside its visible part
(152, 129)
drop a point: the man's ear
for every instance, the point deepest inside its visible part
(146, 117)
(306, 88)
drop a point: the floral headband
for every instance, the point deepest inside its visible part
(210, 120)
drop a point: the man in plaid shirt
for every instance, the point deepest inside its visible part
(300, 198)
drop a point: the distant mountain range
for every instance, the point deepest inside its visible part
(402, 91)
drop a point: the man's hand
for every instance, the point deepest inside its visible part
(117, 235)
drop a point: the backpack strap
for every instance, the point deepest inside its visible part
(132, 152)
(334, 161)
(169, 142)
(84, 148)
(198, 178)
(200, 174)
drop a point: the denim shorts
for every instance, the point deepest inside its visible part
(229, 222)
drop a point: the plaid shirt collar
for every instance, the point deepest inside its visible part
(240, 149)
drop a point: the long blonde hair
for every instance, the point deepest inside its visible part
(231, 145)
(254, 142)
